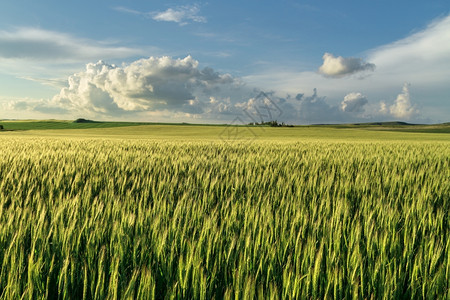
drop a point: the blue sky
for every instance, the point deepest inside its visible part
(315, 61)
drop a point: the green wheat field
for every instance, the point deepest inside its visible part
(133, 211)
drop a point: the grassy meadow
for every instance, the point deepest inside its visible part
(203, 212)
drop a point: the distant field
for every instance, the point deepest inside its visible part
(201, 212)
(397, 126)
(226, 132)
(48, 125)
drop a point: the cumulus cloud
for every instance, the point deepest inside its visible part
(339, 66)
(39, 44)
(354, 102)
(156, 83)
(402, 107)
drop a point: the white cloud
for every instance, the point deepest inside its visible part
(55, 82)
(180, 14)
(339, 66)
(402, 107)
(127, 10)
(384, 108)
(419, 58)
(354, 102)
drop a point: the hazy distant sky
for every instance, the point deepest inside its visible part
(317, 61)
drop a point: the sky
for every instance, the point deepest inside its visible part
(230, 62)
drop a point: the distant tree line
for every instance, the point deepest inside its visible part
(81, 120)
(271, 124)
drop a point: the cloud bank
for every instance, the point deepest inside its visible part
(338, 67)
(177, 89)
